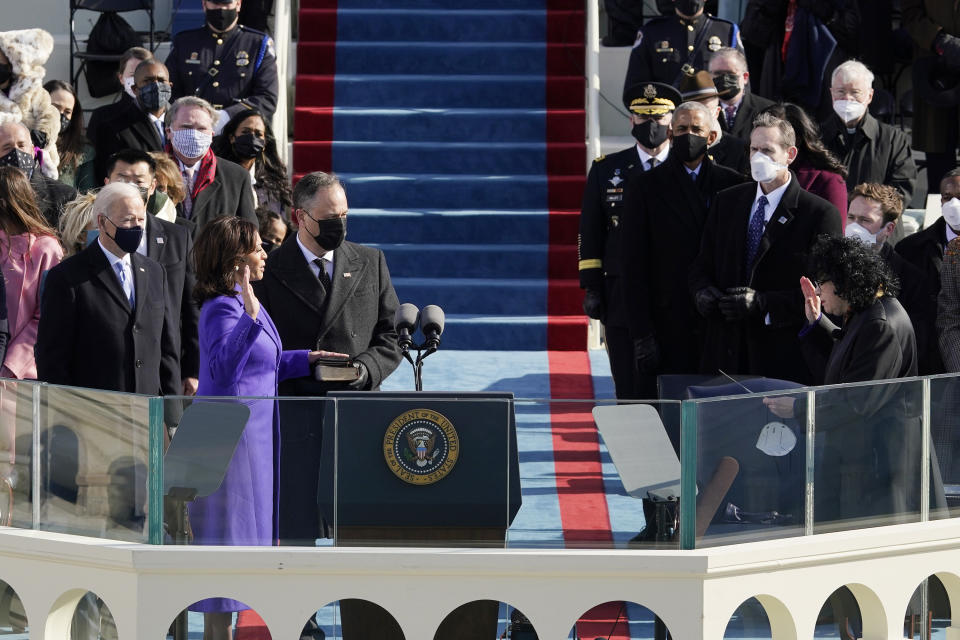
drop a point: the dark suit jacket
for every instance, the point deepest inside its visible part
(876, 153)
(108, 113)
(924, 250)
(52, 196)
(750, 106)
(732, 152)
(753, 346)
(230, 194)
(171, 245)
(130, 128)
(90, 337)
(661, 235)
(355, 318)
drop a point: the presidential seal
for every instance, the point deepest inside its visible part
(421, 446)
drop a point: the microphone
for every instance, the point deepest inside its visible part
(405, 321)
(431, 323)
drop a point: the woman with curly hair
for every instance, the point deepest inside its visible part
(817, 169)
(870, 470)
(76, 152)
(248, 140)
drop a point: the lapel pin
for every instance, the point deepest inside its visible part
(159, 240)
(782, 219)
(141, 269)
(346, 274)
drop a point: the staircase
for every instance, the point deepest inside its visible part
(458, 128)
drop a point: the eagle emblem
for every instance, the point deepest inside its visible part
(421, 446)
(421, 442)
(649, 92)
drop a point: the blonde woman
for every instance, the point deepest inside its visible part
(78, 226)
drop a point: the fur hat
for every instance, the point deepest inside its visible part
(28, 50)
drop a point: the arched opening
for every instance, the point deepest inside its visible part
(749, 620)
(13, 617)
(484, 619)
(92, 620)
(621, 621)
(218, 618)
(928, 614)
(351, 618)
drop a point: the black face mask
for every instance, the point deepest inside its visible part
(155, 96)
(220, 19)
(268, 246)
(19, 159)
(330, 232)
(6, 72)
(127, 238)
(649, 134)
(727, 86)
(689, 7)
(248, 146)
(688, 147)
(64, 123)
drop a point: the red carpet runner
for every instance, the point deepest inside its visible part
(579, 477)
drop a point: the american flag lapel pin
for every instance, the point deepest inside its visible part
(346, 274)
(159, 240)
(141, 269)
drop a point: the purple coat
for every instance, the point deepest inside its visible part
(243, 357)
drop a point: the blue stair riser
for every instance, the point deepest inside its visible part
(440, 58)
(491, 297)
(437, 227)
(454, 192)
(505, 335)
(468, 261)
(436, 157)
(453, 25)
(468, 125)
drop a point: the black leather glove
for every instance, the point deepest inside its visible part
(948, 47)
(742, 302)
(647, 354)
(706, 301)
(38, 137)
(593, 304)
(360, 383)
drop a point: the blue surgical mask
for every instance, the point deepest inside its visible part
(92, 235)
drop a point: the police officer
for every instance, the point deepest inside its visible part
(665, 44)
(227, 64)
(651, 107)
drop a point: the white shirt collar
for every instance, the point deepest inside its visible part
(644, 156)
(112, 259)
(951, 234)
(310, 256)
(194, 166)
(773, 198)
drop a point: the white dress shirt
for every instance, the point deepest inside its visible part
(773, 200)
(645, 157)
(127, 266)
(310, 256)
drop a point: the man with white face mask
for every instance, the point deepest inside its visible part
(754, 250)
(870, 150)
(925, 250)
(871, 218)
(215, 187)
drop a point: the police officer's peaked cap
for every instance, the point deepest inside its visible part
(696, 85)
(651, 98)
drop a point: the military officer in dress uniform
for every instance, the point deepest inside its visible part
(227, 64)
(667, 43)
(651, 107)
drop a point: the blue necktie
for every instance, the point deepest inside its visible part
(125, 283)
(755, 232)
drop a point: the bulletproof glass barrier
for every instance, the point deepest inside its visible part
(801, 461)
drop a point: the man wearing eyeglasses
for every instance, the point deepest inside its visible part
(872, 152)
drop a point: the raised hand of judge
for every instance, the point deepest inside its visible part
(811, 300)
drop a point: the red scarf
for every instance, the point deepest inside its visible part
(205, 173)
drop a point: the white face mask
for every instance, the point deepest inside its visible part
(128, 87)
(855, 230)
(763, 168)
(849, 110)
(951, 212)
(190, 142)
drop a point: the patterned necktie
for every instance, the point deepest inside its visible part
(651, 163)
(755, 231)
(188, 188)
(731, 112)
(323, 276)
(125, 283)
